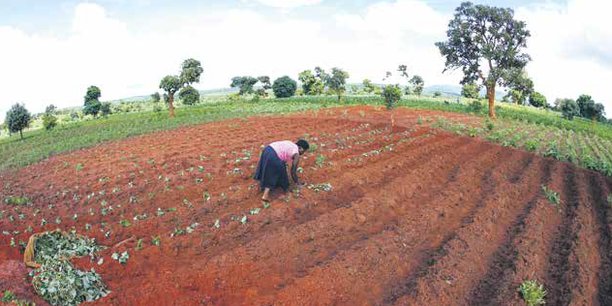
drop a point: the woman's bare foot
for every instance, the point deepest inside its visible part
(266, 195)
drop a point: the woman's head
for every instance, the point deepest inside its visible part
(302, 146)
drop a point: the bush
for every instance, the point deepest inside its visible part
(475, 106)
(537, 99)
(569, 109)
(284, 87)
(189, 95)
(437, 94)
(470, 91)
(391, 94)
(105, 109)
(532, 292)
(49, 121)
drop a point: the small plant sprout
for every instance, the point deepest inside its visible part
(244, 219)
(8, 296)
(320, 160)
(255, 211)
(139, 244)
(58, 220)
(155, 240)
(122, 259)
(552, 196)
(206, 196)
(266, 204)
(160, 212)
(532, 292)
(177, 232)
(13, 244)
(125, 223)
(79, 167)
(217, 223)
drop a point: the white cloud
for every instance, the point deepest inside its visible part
(288, 3)
(125, 58)
(571, 48)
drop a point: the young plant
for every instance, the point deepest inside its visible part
(552, 196)
(533, 293)
(610, 200)
(122, 259)
(156, 240)
(320, 161)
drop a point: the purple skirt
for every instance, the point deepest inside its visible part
(271, 170)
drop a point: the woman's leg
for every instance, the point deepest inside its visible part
(266, 195)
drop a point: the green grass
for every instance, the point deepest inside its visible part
(591, 148)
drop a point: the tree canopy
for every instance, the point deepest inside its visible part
(337, 82)
(18, 118)
(189, 95)
(92, 105)
(470, 90)
(244, 84)
(284, 87)
(191, 70)
(486, 43)
(537, 99)
(417, 84)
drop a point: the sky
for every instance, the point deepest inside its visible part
(51, 51)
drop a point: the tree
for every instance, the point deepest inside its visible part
(589, 109)
(368, 87)
(265, 86)
(170, 84)
(49, 120)
(155, 97)
(92, 105)
(191, 70)
(337, 82)
(481, 33)
(537, 99)
(470, 90)
(17, 119)
(189, 95)
(417, 84)
(310, 83)
(521, 86)
(569, 108)
(244, 84)
(284, 87)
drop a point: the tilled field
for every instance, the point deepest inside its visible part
(415, 216)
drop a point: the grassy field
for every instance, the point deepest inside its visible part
(583, 142)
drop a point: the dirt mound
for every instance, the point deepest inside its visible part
(415, 217)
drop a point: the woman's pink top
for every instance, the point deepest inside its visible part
(285, 149)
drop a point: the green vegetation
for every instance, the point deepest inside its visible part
(391, 94)
(49, 119)
(191, 70)
(532, 292)
(284, 87)
(57, 281)
(92, 103)
(551, 195)
(16, 201)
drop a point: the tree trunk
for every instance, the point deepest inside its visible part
(491, 96)
(171, 105)
(21, 133)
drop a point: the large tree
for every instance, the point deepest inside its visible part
(191, 70)
(537, 99)
(368, 87)
(17, 119)
(92, 103)
(266, 85)
(589, 109)
(486, 43)
(284, 87)
(244, 84)
(337, 82)
(311, 84)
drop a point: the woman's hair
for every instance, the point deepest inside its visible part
(303, 144)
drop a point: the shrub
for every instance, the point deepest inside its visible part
(189, 95)
(470, 91)
(391, 94)
(49, 121)
(475, 107)
(437, 94)
(537, 99)
(532, 292)
(284, 87)
(105, 109)
(569, 109)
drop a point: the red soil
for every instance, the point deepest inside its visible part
(416, 216)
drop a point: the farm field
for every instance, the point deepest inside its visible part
(402, 215)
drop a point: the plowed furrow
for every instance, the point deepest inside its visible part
(504, 261)
(452, 274)
(562, 274)
(603, 213)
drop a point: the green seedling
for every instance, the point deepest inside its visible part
(155, 240)
(125, 223)
(244, 219)
(16, 201)
(552, 196)
(217, 223)
(139, 244)
(122, 259)
(533, 293)
(320, 161)
(255, 211)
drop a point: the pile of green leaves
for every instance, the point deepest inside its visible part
(327, 187)
(57, 281)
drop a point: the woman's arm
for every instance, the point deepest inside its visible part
(294, 167)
